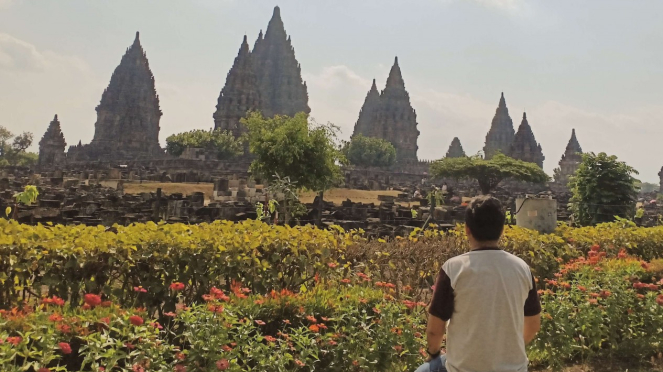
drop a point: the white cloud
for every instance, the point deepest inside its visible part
(502, 4)
(6, 4)
(39, 83)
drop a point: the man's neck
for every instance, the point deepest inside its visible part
(483, 245)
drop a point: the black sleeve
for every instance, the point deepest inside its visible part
(442, 304)
(532, 304)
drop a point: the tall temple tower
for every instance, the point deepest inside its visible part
(501, 133)
(282, 90)
(366, 123)
(524, 146)
(52, 145)
(128, 115)
(390, 116)
(455, 149)
(239, 95)
(570, 161)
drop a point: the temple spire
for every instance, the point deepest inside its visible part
(366, 123)
(395, 79)
(52, 145)
(570, 161)
(524, 146)
(501, 133)
(455, 149)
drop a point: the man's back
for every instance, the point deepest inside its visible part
(485, 332)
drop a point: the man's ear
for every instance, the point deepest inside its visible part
(467, 231)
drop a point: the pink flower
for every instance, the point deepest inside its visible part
(65, 347)
(177, 286)
(260, 322)
(222, 364)
(140, 289)
(136, 320)
(92, 299)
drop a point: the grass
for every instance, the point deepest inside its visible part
(337, 196)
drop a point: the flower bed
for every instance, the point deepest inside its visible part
(168, 297)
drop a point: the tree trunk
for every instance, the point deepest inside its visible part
(320, 207)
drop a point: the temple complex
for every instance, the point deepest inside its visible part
(239, 95)
(524, 146)
(282, 90)
(52, 146)
(455, 149)
(570, 161)
(128, 115)
(501, 133)
(390, 116)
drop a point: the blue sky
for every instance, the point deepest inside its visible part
(593, 65)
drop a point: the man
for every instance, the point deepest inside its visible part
(484, 300)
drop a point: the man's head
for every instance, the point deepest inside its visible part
(484, 219)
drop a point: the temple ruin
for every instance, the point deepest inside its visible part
(570, 161)
(52, 146)
(524, 146)
(455, 149)
(389, 115)
(128, 115)
(501, 133)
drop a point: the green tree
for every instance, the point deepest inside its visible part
(489, 173)
(306, 153)
(603, 188)
(369, 152)
(222, 143)
(13, 148)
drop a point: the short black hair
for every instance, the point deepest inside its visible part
(485, 218)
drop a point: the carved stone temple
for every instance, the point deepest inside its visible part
(455, 149)
(570, 161)
(52, 146)
(282, 89)
(267, 79)
(501, 133)
(389, 115)
(524, 146)
(128, 115)
(240, 94)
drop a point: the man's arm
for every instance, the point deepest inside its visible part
(435, 333)
(532, 326)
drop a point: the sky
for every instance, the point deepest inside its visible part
(594, 65)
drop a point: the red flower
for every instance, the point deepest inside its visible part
(593, 301)
(332, 343)
(65, 347)
(417, 334)
(55, 317)
(222, 364)
(311, 319)
(129, 346)
(346, 281)
(226, 348)
(270, 339)
(137, 368)
(140, 289)
(605, 294)
(180, 368)
(259, 302)
(596, 248)
(644, 265)
(376, 310)
(177, 286)
(659, 300)
(653, 287)
(299, 363)
(106, 304)
(582, 289)
(355, 363)
(332, 265)
(43, 369)
(180, 356)
(14, 340)
(92, 299)
(260, 322)
(398, 348)
(170, 314)
(136, 320)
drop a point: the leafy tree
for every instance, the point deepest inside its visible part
(13, 148)
(222, 143)
(603, 188)
(369, 152)
(306, 153)
(489, 173)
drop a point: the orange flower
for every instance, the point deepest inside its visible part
(299, 363)
(222, 364)
(398, 348)
(355, 363)
(180, 356)
(346, 281)
(14, 340)
(92, 299)
(226, 348)
(314, 328)
(270, 339)
(260, 322)
(55, 317)
(311, 319)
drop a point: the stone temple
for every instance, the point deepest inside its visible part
(52, 146)
(524, 146)
(455, 149)
(501, 133)
(570, 161)
(128, 115)
(389, 115)
(267, 79)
